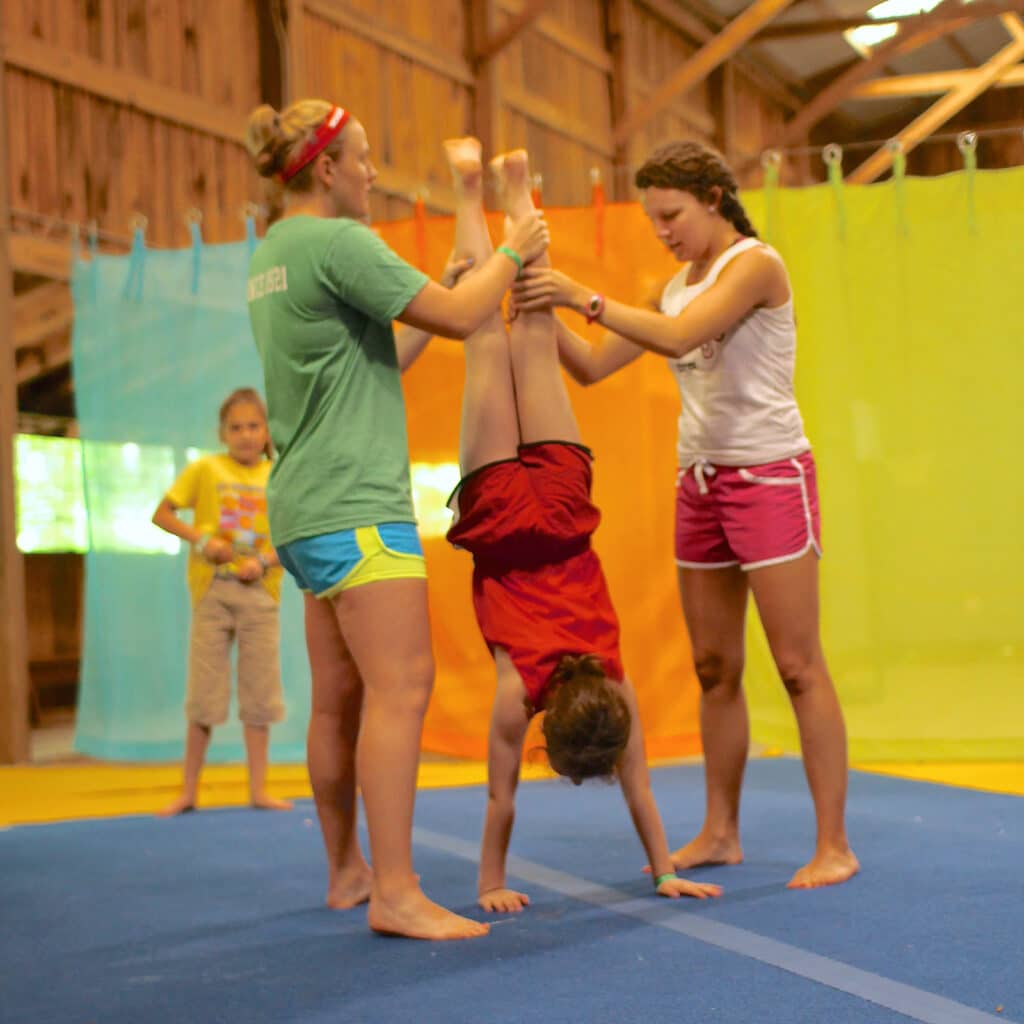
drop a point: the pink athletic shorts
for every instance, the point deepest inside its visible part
(750, 516)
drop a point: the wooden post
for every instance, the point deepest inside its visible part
(618, 35)
(487, 89)
(14, 731)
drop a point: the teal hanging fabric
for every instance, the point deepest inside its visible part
(160, 339)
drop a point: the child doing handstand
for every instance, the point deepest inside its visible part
(523, 510)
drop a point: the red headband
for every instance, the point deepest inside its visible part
(326, 132)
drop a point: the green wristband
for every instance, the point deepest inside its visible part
(663, 878)
(513, 256)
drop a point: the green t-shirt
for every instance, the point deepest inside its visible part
(322, 295)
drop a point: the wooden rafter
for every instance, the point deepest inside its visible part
(830, 26)
(930, 27)
(518, 23)
(40, 313)
(930, 83)
(770, 80)
(40, 257)
(41, 360)
(701, 64)
(975, 83)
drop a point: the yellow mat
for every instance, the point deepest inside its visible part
(40, 793)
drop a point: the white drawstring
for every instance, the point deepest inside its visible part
(701, 469)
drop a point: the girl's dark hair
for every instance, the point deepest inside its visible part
(695, 168)
(246, 396)
(586, 721)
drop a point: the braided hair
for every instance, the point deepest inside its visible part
(697, 169)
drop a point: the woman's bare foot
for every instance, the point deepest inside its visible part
(183, 805)
(466, 165)
(827, 867)
(350, 888)
(706, 849)
(413, 916)
(264, 802)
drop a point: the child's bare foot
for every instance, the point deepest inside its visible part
(503, 901)
(268, 803)
(706, 849)
(350, 888)
(183, 805)
(827, 867)
(512, 170)
(413, 916)
(466, 165)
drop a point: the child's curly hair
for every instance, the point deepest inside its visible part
(586, 721)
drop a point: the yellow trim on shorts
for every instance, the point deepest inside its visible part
(378, 563)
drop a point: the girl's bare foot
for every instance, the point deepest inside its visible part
(183, 805)
(827, 867)
(466, 165)
(706, 849)
(413, 916)
(512, 170)
(268, 803)
(350, 888)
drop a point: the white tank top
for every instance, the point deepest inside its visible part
(738, 406)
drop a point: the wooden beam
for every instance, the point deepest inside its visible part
(556, 33)
(950, 104)
(487, 97)
(830, 26)
(446, 64)
(767, 79)
(932, 83)
(44, 359)
(550, 115)
(294, 47)
(931, 26)
(40, 313)
(619, 32)
(14, 688)
(40, 257)
(702, 63)
(495, 43)
(127, 90)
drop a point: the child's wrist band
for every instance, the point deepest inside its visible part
(513, 256)
(663, 878)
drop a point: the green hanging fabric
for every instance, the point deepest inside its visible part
(967, 143)
(771, 161)
(899, 175)
(833, 157)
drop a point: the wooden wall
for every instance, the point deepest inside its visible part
(117, 107)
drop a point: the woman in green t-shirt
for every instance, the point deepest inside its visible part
(323, 292)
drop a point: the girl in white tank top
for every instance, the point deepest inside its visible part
(725, 323)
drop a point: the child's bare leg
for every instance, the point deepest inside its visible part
(257, 750)
(489, 431)
(472, 239)
(331, 754)
(197, 739)
(545, 413)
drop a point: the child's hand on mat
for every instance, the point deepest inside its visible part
(454, 269)
(249, 569)
(542, 288)
(503, 901)
(673, 888)
(218, 551)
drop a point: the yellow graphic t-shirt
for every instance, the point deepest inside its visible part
(229, 501)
